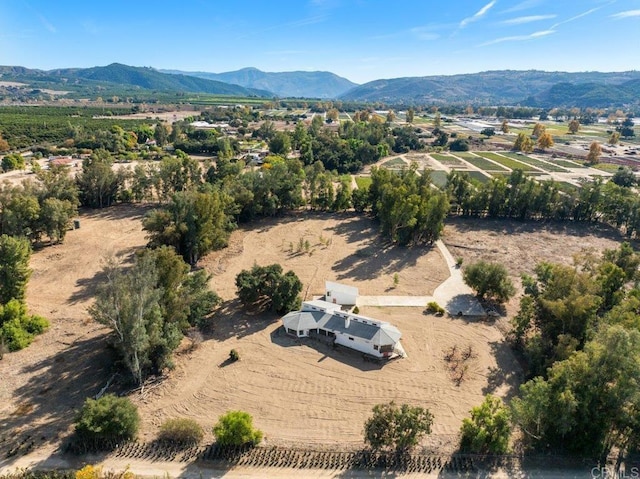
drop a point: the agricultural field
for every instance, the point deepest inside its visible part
(507, 162)
(25, 126)
(446, 159)
(480, 162)
(535, 162)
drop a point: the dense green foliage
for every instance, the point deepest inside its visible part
(578, 329)
(489, 280)
(35, 209)
(193, 222)
(409, 210)
(488, 429)
(149, 306)
(397, 428)
(235, 428)
(17, 328)
(181, 431)
(519, 197)
(109, 418)
(266, 287)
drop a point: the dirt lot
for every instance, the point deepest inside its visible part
(298, 392)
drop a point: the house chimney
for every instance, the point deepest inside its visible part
(347, 322)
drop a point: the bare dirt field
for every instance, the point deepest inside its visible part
(41, 386)
(298, 392)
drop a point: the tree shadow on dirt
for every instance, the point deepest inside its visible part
(372, 260)
(507, 375)
(231, 319)
(56, 389)
(355, 228)
(86, 287)
(469, 225)
(343, 354)
(118, 212)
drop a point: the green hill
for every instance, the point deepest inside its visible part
(506, 87)
(120, 75)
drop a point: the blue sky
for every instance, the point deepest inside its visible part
(362, 40)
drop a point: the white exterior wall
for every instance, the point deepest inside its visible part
(340, 294)
(357, 344)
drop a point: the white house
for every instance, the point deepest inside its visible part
(367, 335)
(340, 293)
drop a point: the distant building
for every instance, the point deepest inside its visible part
(376, 338)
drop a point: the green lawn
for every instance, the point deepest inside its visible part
(608, 167)
(480, 162)
(363, 182)
(534, 162)
(567, 163)
(505, 161)
(476, 175)
(395, 163)
(446, 159)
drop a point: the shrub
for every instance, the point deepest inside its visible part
(235, 428)
(89, 472)
(109, 418)
(488, 429)
(397, 427)
(434, 308)
(233, 355)
(489, 280)
(181, 431)
(356, 310)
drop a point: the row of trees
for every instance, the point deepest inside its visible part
(520, 197)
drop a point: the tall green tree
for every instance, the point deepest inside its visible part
(194, 223)
(14, 268)
(98, 184)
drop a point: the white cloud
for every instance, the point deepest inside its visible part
(527, 19)
(583, 14)
(519, 38)
(626, 14)
(478, 15)
(526, 5)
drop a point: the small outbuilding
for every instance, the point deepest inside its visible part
(340, 293)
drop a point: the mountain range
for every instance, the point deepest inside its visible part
(531, 87)
(507, 87)
(298, 84)
(121, 75)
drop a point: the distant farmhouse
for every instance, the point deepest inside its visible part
(324, 318)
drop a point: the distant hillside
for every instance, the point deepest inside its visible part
(534, 87)
(124, 75)
(585, 95)
(284, 84)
